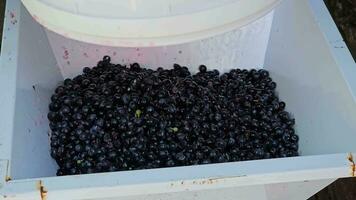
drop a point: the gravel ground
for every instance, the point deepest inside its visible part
(344, 14)
(2, 8)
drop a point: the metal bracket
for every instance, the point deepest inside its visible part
(4, 169)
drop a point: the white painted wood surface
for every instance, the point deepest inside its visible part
(273, 179)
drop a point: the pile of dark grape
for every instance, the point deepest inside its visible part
(114, 118)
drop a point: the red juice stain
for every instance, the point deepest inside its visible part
(12, 15)
(65, 54)
(35, 17)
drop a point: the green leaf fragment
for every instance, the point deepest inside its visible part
(138, 113)
(174, 129)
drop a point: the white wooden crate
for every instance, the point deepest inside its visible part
(306, 57)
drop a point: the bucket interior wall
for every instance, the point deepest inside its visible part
(308, 80)
(243, 47)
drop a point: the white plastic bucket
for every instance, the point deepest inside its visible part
(244, 47)
(222, 43)
(138, 23)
